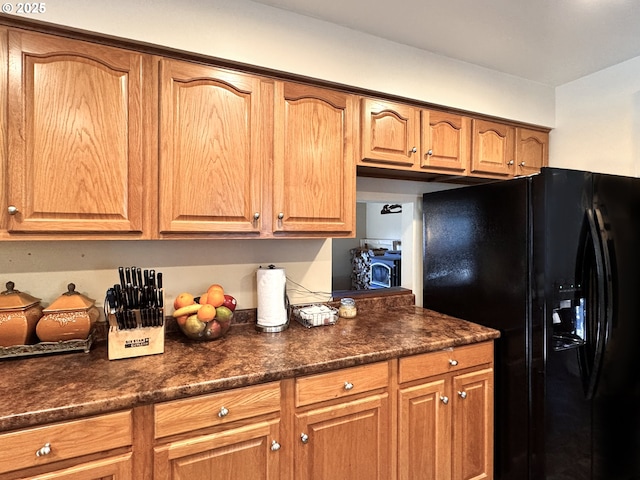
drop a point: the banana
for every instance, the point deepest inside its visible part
(188, 310)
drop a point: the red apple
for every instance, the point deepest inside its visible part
(230, 302)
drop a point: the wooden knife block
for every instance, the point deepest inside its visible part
(135, 342)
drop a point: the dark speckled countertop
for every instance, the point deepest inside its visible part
(45, 389)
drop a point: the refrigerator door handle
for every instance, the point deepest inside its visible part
(603, 309)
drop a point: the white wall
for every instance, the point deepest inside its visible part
(244, 31)
(598, 122)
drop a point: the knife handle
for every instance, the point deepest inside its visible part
(127, 272)
(121, 273)
(160, 280)
(139, 275)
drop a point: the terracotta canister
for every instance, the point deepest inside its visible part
(69, 317)
(19, 314)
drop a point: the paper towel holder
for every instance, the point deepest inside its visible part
(276, 328)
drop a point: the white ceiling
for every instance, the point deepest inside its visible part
(548, 41)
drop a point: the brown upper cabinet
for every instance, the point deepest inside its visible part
(532, 151)
(225, 170)
(493, 148)
(106, 142)
(404, 137)
(76, 138)
(214, 149)
(503, 151)
(314, 170)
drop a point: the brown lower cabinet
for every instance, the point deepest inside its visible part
(427, 416)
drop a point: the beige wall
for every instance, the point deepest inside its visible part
(598, 122)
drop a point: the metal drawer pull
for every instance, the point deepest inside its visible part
(453, 363)
(12, 209)
(46, 450)
(304, 438)
(275, 446)
(348, 385)
(463, 395)
(444, 400)
(223, 412)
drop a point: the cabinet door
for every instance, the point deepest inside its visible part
(424, 435)
(314, 163)
(390, 134)
(4, 66)
(211, 158)
(532, 151)
(76, 140)
(345, 441)
(493, 149)
(472, 444)
(246, 452)
(446, 143)
(111, 468)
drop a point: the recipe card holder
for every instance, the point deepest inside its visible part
(134, 342)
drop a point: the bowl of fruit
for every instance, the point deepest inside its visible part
(206, 317)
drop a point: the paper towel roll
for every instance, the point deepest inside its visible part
(272, 309)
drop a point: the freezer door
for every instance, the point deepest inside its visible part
(476, 267)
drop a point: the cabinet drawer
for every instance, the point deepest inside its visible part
(341, 383)
(66, 440)
(444, 361)
(180, 416)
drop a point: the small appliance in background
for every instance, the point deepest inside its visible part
(273, 303)
(134, 309)
(552, 261)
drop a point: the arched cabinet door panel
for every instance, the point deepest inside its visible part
(314, 164)
(212, 163)
(76, 137)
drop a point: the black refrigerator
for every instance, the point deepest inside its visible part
(552, 261)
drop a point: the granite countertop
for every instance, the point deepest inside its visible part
(44, 389)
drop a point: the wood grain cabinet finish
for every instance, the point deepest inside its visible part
(532, 151)
(446, 143)
(405, 137)
(213, 162)
(390, 134)
(493, 153)
(348, 438)
(76, 139)
(233, 434)
(445, 415)
(49, 451)
(314, 164)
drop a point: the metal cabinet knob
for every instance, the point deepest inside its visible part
(430, 152)
(256, 215)
(12, 209)
(280, 216)
(45, 450)
(413, 150)
(521, 164)
(453, 362)
(275, 446)
(304, 438)
(348, 385)
(510, 162)
(463, 395)
(223, 412)
(444, 400)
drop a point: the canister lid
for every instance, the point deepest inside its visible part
(12, 299)
(69, 301)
